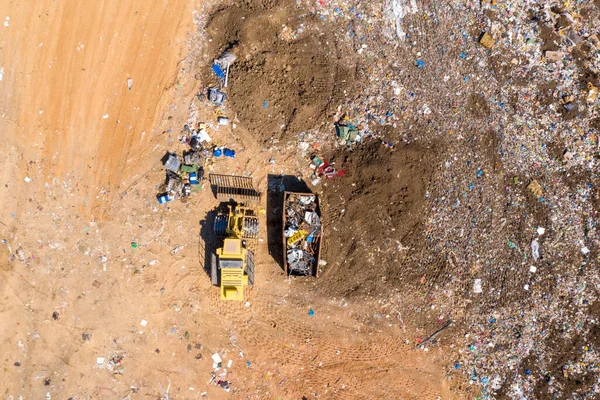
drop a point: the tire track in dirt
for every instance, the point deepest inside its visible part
(336, 361)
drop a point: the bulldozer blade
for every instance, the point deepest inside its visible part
(239, 189)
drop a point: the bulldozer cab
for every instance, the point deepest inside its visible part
(236, 228)
(231, 265)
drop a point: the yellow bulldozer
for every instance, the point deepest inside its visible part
(236, 231)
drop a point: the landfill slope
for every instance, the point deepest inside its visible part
(453, 147)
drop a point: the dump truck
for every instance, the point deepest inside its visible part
(302, 233)
(236, 230)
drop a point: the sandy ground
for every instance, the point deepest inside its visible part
(79, 177)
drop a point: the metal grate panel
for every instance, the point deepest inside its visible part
(237, 188)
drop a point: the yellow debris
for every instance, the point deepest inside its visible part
(535, 188)
(592, 93)
(486, 40)
(301, 234)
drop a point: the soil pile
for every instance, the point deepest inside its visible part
(291, 70)
(371, 213)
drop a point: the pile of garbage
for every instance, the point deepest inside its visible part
(302, 231)
(509, 96)
(347, 134)
(183, 175)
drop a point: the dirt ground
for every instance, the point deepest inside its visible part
(374, 216)
(102, 291)
(460, 245)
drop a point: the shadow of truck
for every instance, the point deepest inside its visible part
(277, 185)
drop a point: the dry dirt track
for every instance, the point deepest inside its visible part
(71, 203)
(66, 67)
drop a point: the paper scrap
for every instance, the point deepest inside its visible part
(216, 358)
(477, 286)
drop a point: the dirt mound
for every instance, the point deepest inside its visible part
(290, 72)
(370, 213)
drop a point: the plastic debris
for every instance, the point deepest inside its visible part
(477, 288)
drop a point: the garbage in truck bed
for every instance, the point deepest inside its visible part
(302, 233)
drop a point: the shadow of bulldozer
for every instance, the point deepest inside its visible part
(207, 242)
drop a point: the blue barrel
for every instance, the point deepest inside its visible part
(218, 70)
(217, 152)
(193, 178)
(163, 198)
(229, 153)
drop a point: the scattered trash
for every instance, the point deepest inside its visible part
(164, 198)
(477, 286)
(172, 163)
(224, 63)
(129, 83)
(183, 178)
(311, 312)
(217, 70)
(535, 250)
(216, 97)
(398, 10)
(164, 392)
(177, 249)
(322, 167)
(143, 322)
(229, 153)
(223, 121)
(346, 135)
(592, 96)
(585, 250)
(216, 359)
(535, 188)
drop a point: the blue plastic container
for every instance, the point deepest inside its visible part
(163, 198)
(217, 152)
(193, 178)
(229, 153)
(219, 71)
